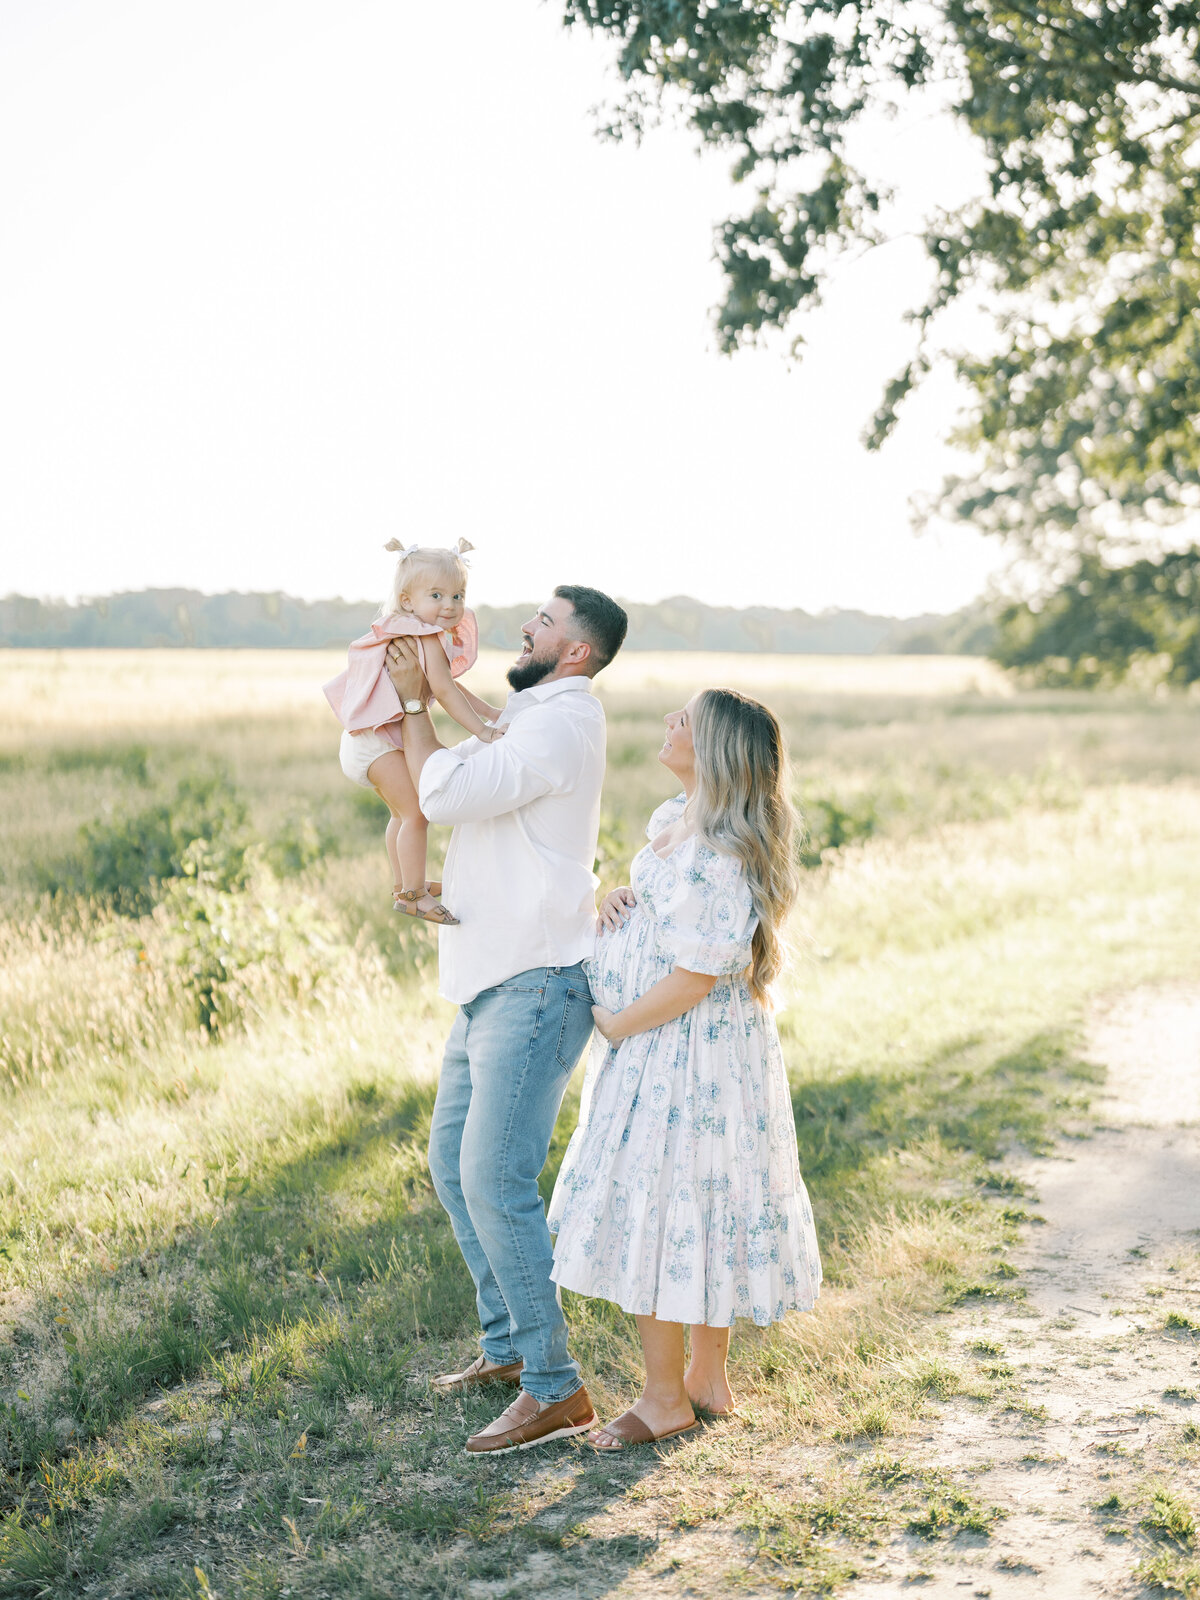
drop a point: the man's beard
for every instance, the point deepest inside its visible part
(529, 670)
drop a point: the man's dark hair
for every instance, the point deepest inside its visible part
(600, 621)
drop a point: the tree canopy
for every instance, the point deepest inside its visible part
(1084, 245)
(1105, 621)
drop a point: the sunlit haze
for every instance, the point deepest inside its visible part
(283, 280)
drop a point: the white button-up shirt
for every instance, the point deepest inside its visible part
(526, 815)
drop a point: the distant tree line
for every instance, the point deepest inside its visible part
(186, 618)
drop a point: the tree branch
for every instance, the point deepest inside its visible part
(1119, 72)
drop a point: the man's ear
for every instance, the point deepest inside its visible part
(578, 650)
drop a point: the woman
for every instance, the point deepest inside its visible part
(680, 1196)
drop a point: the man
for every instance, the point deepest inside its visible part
(526, 813)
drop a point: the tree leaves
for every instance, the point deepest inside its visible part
(1095, 628)
(1085, 246)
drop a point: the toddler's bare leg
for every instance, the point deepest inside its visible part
(407, 834)
(391, 841)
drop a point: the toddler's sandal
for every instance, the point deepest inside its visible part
(406, 902)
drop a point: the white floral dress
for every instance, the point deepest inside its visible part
(680, 1193)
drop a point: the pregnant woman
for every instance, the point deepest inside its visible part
(680, 1196)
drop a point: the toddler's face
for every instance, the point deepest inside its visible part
(438, 601)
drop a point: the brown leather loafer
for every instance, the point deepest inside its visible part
(477, 1376)
(526, 1423)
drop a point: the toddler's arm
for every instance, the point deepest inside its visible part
(488, 712)
(454, 700)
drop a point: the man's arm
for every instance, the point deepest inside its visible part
(410, 683)
(539, 754)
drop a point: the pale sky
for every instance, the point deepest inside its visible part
(282, 280)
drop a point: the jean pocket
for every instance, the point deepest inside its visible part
(575, 1028)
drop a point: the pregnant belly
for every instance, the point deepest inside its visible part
(625, 963)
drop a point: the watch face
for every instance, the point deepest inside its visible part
(414, 706)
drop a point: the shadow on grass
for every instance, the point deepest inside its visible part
(315, 1304)
(958, 1096)
(297, 1329)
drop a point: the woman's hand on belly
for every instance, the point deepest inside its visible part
(605, 1021)
(669, 998)
(615, 909)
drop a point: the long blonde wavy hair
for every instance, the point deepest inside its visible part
(742, 807)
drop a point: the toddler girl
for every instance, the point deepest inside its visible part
(427, 601)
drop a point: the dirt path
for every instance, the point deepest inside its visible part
(1103, 1387)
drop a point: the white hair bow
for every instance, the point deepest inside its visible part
(404, 551)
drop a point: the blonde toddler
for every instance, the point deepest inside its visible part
(428, 602)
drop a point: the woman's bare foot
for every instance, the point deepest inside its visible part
(709, 1393)
(660, 1419)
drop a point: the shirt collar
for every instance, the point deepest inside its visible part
(544, 691)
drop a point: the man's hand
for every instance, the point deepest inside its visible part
(404, 669)
(409, 682)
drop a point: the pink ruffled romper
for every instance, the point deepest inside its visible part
(363, 699)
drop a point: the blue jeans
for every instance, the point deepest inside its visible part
(508, 1059)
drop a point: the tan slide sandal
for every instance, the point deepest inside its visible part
(630, 1429)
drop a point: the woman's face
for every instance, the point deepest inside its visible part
(677, 754)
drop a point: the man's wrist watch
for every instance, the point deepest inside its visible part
(414, 708)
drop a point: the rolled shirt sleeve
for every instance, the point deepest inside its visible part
(537, 756)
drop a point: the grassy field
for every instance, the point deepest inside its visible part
(225, 1279)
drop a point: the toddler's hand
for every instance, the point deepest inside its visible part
(489, 733)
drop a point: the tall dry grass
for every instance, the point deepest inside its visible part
(213, 1198)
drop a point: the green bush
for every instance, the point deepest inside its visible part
(125, 860)
(295, 845)
(829, 824)
(234, 946)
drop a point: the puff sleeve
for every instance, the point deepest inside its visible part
(705, 912)
(664, 815)
(462, 646)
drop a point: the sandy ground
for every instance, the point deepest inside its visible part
(1102, 1386)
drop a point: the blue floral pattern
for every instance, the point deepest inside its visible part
(680, 1193)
